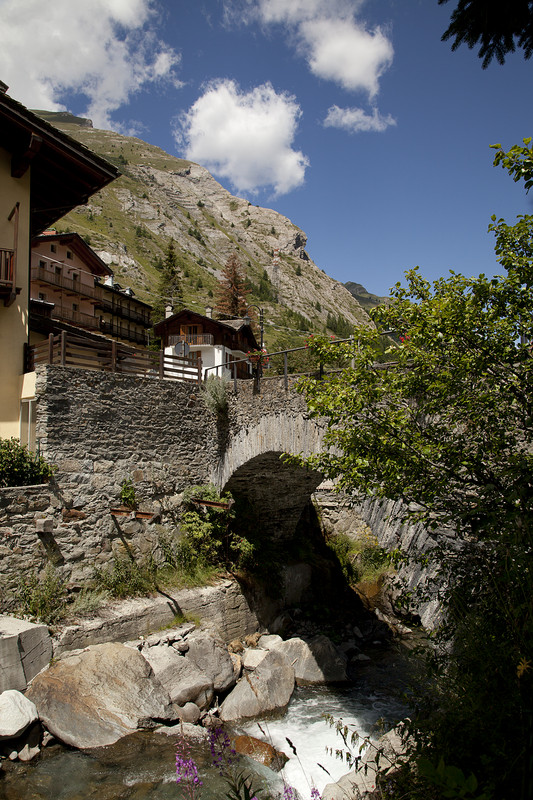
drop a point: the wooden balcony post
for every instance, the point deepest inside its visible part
(113, 356)
(161, 364)
(63, 348)
(199, 369)
(51, 348)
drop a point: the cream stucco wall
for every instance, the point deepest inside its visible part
(14, 318)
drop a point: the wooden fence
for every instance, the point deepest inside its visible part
(67, 350)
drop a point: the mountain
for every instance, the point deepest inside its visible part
(160, 197)
(366, 299)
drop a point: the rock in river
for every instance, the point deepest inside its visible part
(95, 696)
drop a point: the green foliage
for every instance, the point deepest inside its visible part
(196, 234)
(215, 394)
(448, 431)
(518, 162)
(128, 496)
(169, 286)
(496, 27)
(20, 467)
(206, 528)
(42, 597)
(450, 781)
(361, 559)
(126, 578)
(298, 270)
(340, 326)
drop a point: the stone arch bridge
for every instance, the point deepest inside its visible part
(102, 428)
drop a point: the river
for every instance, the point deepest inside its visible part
(141, 766)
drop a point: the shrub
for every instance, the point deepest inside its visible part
(215, 394)
(125, 578)
(42, 598)
(20, 467)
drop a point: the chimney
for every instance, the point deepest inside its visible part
(209, 312)
(169, 310)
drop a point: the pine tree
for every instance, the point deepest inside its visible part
(169, 287)
(231, 291)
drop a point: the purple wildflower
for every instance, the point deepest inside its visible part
(186, 771)
(315, 794)
(222, 753)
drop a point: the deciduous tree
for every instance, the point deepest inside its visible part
(448, 429)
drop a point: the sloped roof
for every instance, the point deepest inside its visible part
(64, 173)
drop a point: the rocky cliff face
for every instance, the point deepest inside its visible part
(160, 197)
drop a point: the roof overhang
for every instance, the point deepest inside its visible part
(64, 173)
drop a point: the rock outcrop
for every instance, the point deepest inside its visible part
(266, 688)
(94, 697)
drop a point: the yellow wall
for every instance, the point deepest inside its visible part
(14, 318)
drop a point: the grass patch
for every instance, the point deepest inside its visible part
(361, 559)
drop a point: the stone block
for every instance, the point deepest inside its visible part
(44, 525)
(25, 649)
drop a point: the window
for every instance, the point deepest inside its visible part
(69, 254)
(27, 423)
(74, 306)
(75, 276)
(53, 248)
(42, 264)
(42, 296)
(58, 270)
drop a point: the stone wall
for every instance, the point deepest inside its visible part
(101, 428)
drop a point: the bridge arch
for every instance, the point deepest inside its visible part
(251, 468)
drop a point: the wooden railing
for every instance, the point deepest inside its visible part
(66, 350)
(47, 276)
(192, 338)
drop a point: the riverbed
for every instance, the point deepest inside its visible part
(141, 766)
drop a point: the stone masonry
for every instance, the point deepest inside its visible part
(101, 428)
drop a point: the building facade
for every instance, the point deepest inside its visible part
(44, 174)
(70, 284)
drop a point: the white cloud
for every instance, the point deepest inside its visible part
(344, 52)
(245, 137)
(331, 36)
(105, 50)
(356, 120)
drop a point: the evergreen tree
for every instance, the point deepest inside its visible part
(169, 286)
(231, 291)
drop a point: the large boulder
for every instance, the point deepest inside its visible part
(211, 656)
(16, 714)
(315, 660)
(95, 696)
(25, 649)
(180, 676)
(267, 688)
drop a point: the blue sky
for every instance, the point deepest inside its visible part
(351, 117)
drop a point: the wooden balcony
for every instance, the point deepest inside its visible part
(194, 339)
(8, 288)
(122, 332)
(68, 285)
(123, 309)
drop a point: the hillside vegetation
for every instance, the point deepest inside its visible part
(160, 197)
